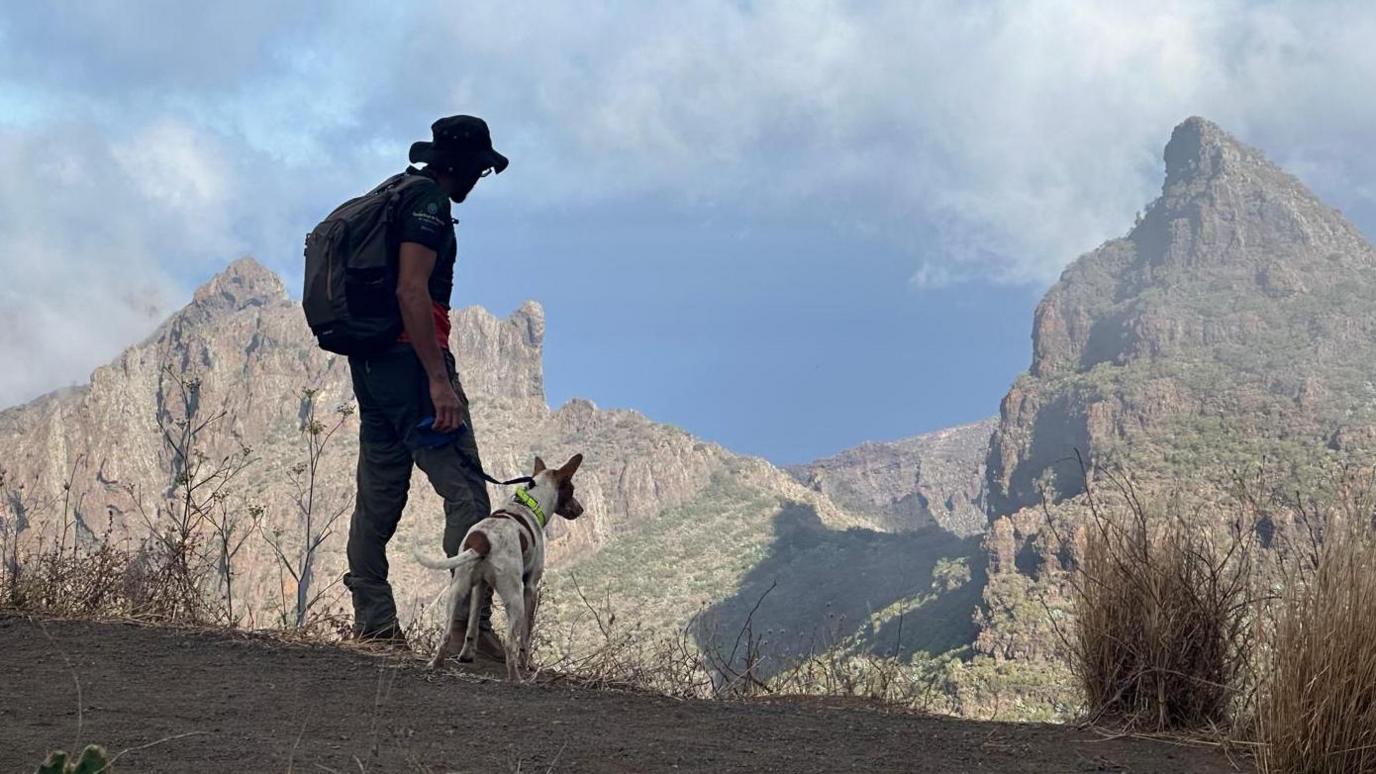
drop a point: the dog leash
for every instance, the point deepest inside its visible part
(476, 468)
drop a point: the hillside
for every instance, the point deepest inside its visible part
(249, 704)
(657, 498)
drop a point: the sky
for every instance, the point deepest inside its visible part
(787, 226)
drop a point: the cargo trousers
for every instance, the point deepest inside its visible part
(393, 394)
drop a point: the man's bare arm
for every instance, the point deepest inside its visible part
(416, 261)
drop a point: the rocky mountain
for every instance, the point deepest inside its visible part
(1236, 319)
(1233, 327)
(673, 524)
(1234, 323)
(927, 480)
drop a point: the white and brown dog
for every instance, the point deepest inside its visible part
(506, 551)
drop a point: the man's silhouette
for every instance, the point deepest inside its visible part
(416, 380)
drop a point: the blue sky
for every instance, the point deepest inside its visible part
(786, 226)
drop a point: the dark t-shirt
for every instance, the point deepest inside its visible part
(423, 218)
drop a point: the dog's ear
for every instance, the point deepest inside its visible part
(565, 473)
(539, 467)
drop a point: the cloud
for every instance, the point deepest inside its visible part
(104, 230)
(995, 140)
(142, 144)
(115, 47)
(89, 225)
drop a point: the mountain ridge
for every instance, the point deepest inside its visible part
(243, 340)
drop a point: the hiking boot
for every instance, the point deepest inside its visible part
(389, 638)
(489, 646)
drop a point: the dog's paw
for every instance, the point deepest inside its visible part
(465, 658)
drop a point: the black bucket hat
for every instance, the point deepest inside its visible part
(457, 139)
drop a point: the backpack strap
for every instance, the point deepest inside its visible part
(394, 187)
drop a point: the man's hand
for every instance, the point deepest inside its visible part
(448, 407)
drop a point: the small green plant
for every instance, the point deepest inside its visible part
(950, 573)
(93, 760)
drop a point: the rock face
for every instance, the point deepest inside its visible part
(1236, 315)
(1234, 325)
(932, 479)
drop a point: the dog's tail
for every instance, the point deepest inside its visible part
(464, 558)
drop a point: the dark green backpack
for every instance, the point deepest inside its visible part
(349, 293)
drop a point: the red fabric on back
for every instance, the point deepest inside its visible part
(442, 326)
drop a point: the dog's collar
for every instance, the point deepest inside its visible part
(525, 499)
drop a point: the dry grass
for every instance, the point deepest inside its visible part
(1317, 709)
(1161, 636)
(698, 661)
(179, 582)
(107, 580)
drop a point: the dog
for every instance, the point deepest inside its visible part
(506, 551)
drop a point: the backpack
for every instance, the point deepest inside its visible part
(349, 293)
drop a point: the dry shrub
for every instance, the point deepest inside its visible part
(624, 655)
(1161, 635)
(868, 677)
(107, 580)
(699, 661)
(1317, 709)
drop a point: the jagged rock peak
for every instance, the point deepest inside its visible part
(1200, 149)
(1236, 291)
(243, 283)
(533, 315)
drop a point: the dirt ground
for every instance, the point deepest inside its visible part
(234, 702)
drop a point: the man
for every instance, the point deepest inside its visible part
(415, 380)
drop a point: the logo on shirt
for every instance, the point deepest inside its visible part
(427, 218)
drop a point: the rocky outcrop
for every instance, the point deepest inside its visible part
(1233, 315)
(932, 479)
(1234, 326)
(244, 344)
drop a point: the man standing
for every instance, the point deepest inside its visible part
(415, 380)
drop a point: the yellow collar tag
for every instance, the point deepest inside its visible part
(525, 499)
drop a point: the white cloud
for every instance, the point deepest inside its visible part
(1019, 133)
(180, 172)
(96, 237)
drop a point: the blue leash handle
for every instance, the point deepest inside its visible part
(432, 439)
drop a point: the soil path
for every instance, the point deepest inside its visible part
(252, 705)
